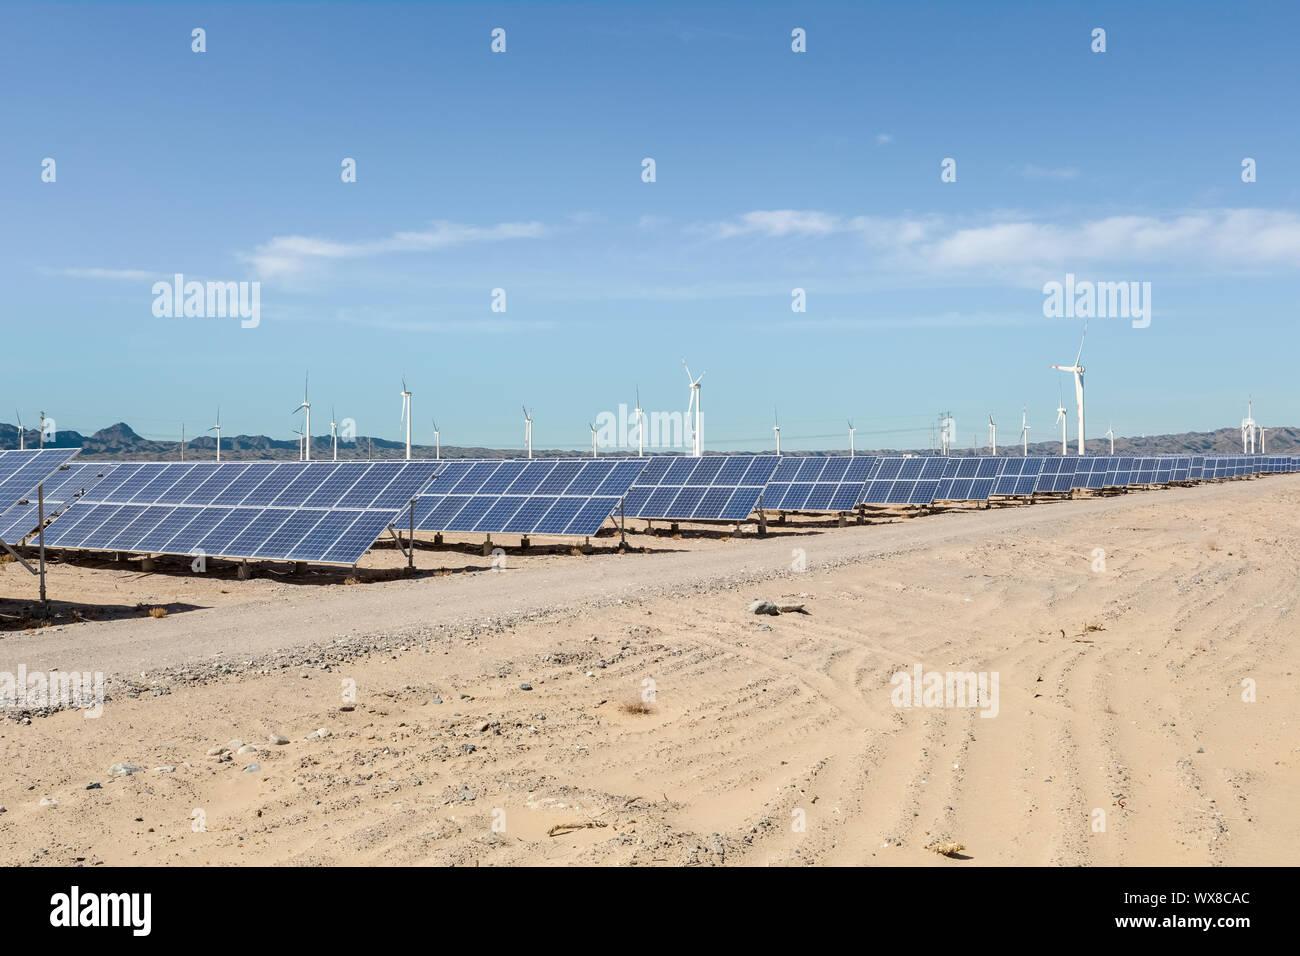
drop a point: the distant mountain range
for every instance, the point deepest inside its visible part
(120, 443)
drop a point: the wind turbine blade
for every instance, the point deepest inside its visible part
(1081, 341)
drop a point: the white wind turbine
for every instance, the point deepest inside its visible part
(298, 432)
(305, 407)
(1248, 428)
(406, 416)
(993, 435)
(592, 426)
(437, 442)
(22, 434)
(217, 428)
(640, 426)
(1110, 433)
(1060, 420)
(1024, 429)
(852, 452)
(776, 429)
(334, 434)
(697, 442)
(1077, 369)
(1263, 443)
(528, 431)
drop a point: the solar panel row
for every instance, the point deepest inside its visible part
(61, 488)
(712, 488)
(817, 484)
(557, 497)
(330, 512)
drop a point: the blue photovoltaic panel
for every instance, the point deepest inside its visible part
(1197, 469)
(298, 511)
(1019, 476)
(1057, 474)
(817, 484)
(61, 488)
(570, 496)
(895, 480)
(711, 488)
(22, 471)
(969, 479)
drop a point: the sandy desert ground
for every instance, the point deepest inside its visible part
(1120, 690)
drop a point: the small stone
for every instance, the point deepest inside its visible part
(481, 726)
(234, 744)
(96, 785)
(217, 751)
(49, 802)
(764, 607)
(246, 749)
(166, 768)
(252, 768)
(525, 686)
(437, 700)
(278, 739)
(123, 769)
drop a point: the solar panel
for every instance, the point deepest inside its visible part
(21, 473)
(712, 488)
(329, 512)
(895, 480)
(1057, 474)
(61, 488)
(1019, 476)
(568, 496)
(1090, 471)
(817, 484)
(968, 479)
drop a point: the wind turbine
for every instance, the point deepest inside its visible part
(305, 406)
(437, 442)
(217, 428)
(698, 444)
(1248, 429)
(1024, 429)
(22, 432)
(851, 431)
(1110, 433)
(776, 428)
(993, 435)
(592, 426)
(406, 416)
(1060, 420)
(1077, 369)
(298, 432)
(1263, 442)
(334, 434)
(640, 425)
(528, 431)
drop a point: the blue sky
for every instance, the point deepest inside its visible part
(775, 170)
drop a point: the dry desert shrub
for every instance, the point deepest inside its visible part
(636, 705)
(158, 612)
(946, 847)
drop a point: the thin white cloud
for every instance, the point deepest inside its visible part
(1238, 238)
(286, 256)
(884, 139)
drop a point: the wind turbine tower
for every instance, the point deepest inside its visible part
(993, 435)
(697, 439)
(217, 428)
(305, 407)
(1077, 370)
(776, 429)
(406, 416)
(528, 431)
(1024, 430)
